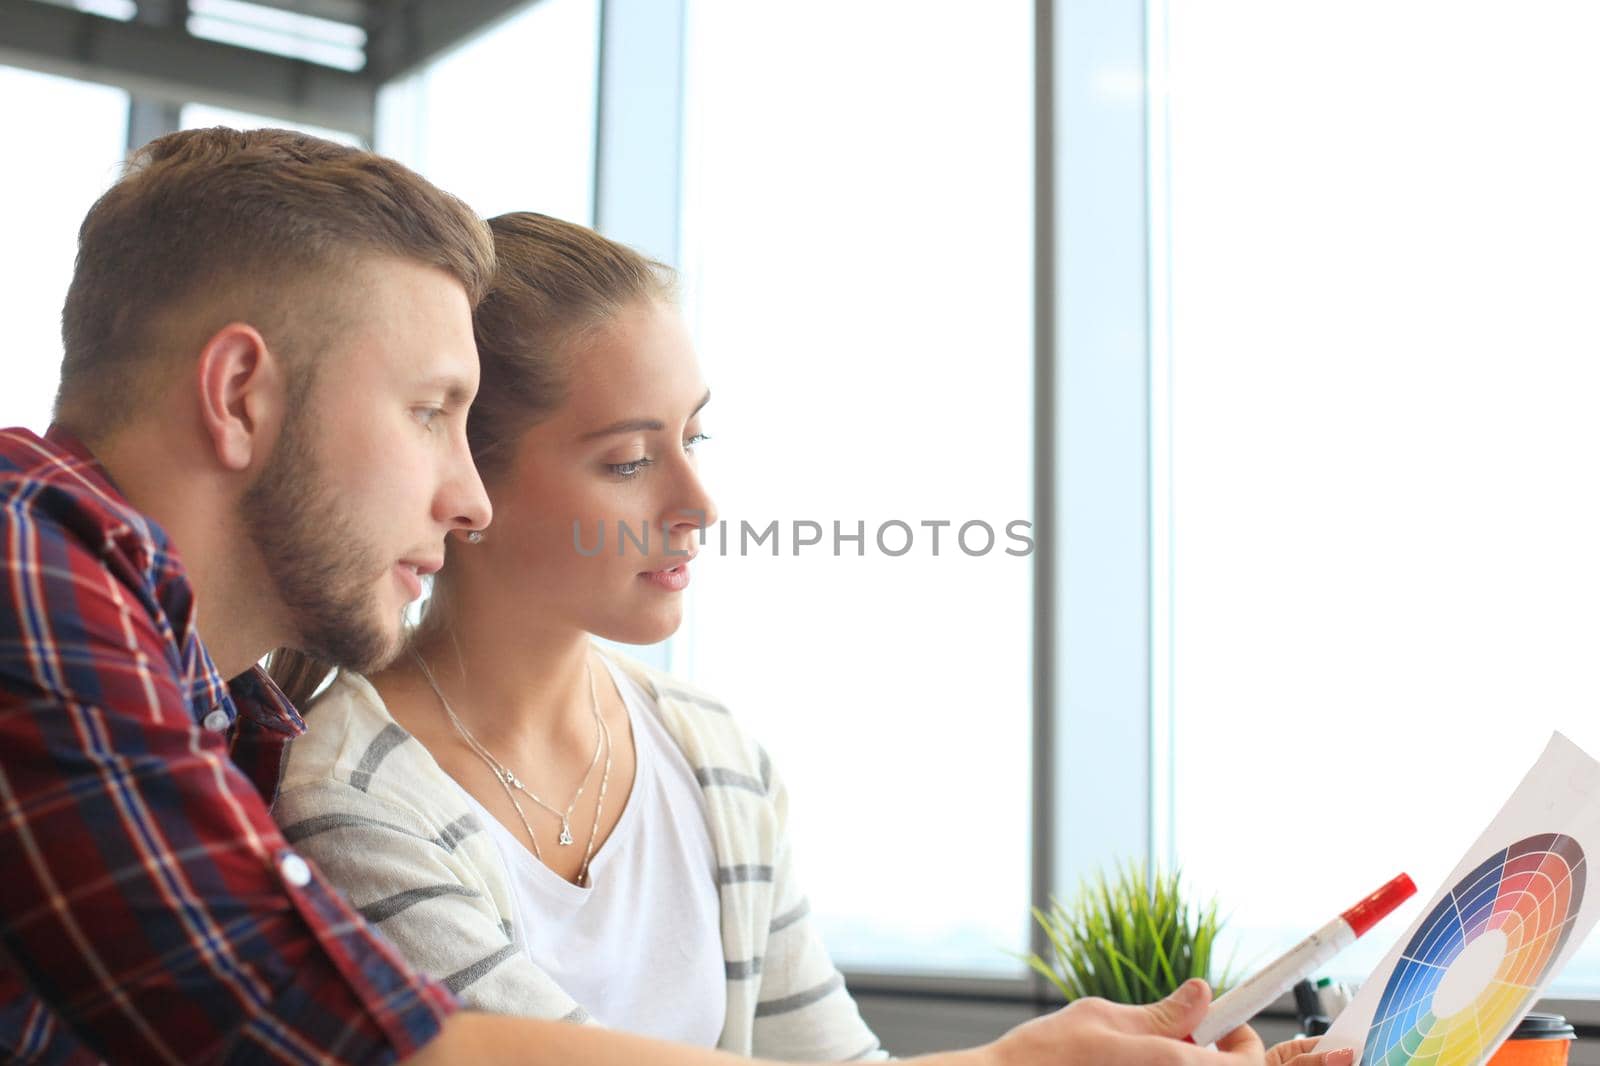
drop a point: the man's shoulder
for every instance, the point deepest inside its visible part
(54, 487)
(95, 583)
(27, 458)
(23, 451)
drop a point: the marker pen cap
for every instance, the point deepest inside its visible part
(1376, 907)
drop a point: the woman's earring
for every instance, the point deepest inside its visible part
(475, 537)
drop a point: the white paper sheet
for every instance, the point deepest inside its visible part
(1497, 931)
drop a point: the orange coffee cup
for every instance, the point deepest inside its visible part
(1539, 1040)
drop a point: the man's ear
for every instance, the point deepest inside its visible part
(241, 394)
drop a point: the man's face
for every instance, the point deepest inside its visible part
(372, 469)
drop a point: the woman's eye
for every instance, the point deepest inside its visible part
(426, 416)
(630, 469)
(698, 438)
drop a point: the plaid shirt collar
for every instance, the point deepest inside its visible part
(252, 693)
(147, 859)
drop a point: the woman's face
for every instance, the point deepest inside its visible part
(616, 460)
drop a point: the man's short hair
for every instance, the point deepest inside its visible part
(213, 226)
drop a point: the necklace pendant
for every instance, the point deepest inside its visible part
(565, 839)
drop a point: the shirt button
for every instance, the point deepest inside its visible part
(295, 871)
(216, 721)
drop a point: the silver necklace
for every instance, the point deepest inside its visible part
(600, 800)
(509, 781)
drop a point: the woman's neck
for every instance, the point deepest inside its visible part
(523, 693)
(511, 683)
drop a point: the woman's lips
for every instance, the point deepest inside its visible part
(673, 579)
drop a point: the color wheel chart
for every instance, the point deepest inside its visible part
(1476, 963)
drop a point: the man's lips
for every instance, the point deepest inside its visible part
(410, 572)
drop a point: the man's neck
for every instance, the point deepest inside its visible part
(158, 477)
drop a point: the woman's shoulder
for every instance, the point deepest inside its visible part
(356, 769)
(704, 727)
(351, 738)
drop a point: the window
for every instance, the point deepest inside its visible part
(48, 199)
(201, 116)
(857, 233)
(1385, 371)
(507, 120)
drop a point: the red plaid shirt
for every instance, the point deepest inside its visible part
(150, 910)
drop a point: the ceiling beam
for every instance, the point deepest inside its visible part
(165, 63)
(404, 35)
(354, 12)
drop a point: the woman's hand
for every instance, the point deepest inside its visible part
(1299, 1053)
(1093, 1032)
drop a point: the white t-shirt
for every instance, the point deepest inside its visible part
(641, 948)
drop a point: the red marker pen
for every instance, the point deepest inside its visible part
(1249, 998)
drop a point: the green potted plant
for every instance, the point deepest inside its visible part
(1131, 937)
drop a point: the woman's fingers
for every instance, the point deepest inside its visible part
(1285, 1053)
(1299, 1053)
(1243, 1041)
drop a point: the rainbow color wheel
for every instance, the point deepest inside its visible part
(1476, 963)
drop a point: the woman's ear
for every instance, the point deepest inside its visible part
(241, 394)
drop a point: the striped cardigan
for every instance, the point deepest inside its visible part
(370, 806)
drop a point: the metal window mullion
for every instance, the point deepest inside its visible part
(151, 117)
(1162, 843)
(639, 125)
(1043, 863)
(639, 132)
(1093, 762)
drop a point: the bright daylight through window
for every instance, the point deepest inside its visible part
(857, 254)
(1384, 443)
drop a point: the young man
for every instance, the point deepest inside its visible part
(259, 443)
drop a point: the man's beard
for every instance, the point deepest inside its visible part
(322, 570)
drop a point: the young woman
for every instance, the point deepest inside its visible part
(550, 828)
